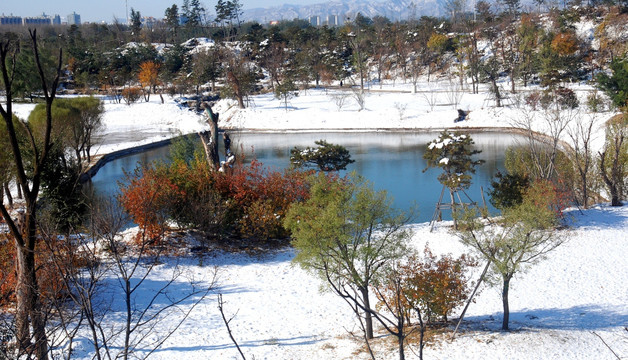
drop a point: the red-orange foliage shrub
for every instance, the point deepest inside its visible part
(250, 201)
(131, 95)
(49, 278)
(565, 43)
(437, 285)
(554, 195)
(148, 196)
(262, 197)
(433, 286)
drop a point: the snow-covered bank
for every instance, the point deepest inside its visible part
(319, 109)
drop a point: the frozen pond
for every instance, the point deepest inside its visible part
(390, 160)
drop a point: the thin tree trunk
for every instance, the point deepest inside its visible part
(453, 209)
(368, 318)
(22, 299)
(505, 303)
(7, 192)
(402, 354)
(129, 313)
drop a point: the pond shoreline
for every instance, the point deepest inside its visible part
(93, 169)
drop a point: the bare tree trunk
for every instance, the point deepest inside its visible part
(498, 96)
(210, 141)
(402, 354)
(421, 333)
(226, 322)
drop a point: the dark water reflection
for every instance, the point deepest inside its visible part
(392, 161)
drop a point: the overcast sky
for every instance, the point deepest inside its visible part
(105, 10)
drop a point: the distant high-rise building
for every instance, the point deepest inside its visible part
(332, 20)
(56, 20)
(315, 20)
(38, 20)
(74, 19)
(10, 20)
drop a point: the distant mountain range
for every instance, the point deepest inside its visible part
(343, 9)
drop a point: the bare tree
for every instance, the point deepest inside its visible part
(340, 99)
(430, 96)
(359, 96)
(544, 132)
(221, 305)
(581, 135)
(454, 93)
(110, 265)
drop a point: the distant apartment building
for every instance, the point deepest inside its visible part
(10, 20)
(333, 20)
(43, 19)
(329, 20)
(315, 20)
(74, 19)
(56, 20)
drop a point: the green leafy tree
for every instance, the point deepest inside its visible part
(616, 85)
(453, 154)
(327, 157)
(26, 82)
(286, 90)
(228, 14)
(136, 23)
(613, 159)
(171, 16)
(193, 13)
(347, 234)
(525, 234)
(507, 189)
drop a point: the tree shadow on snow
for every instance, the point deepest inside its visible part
(603, 216)
(223, 258)
(582, 317)
(295, 341)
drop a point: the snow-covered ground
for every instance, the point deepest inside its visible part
(561, 308)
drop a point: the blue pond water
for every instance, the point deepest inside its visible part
(392, 161)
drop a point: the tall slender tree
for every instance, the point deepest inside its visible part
(172, 20)
(29, 316)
